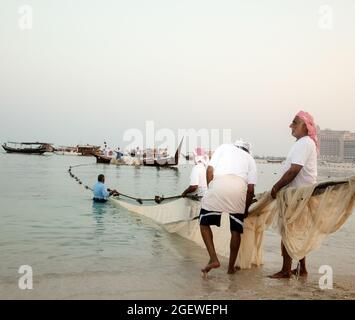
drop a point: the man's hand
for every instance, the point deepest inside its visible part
(274, 191)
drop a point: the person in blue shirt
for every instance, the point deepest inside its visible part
(101, 192)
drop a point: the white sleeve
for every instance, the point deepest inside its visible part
(252, 173)
(301, 153)
(194, 177)
(215, 157)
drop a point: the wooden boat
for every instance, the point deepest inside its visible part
(164, 161)
(88, 150)
(26, 147)
(101, 158)
(274, 160)
(67, 151)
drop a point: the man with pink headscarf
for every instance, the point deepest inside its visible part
(198, 181)
(300, 169)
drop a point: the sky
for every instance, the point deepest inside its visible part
(88, 71)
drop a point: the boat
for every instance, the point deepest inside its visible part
(88, 150)
(163, 161)
(101, 158)
(27, 147)
(274, 160)
(67, 151)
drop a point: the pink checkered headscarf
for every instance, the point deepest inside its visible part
(200, 156)
(311, 126)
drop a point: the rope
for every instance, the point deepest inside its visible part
(157, 199)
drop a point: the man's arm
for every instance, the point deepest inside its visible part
(249, 199)
(189, 190)
(288, 176)
(209, 174)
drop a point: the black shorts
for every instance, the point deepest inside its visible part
(213, 218)
(99, 200)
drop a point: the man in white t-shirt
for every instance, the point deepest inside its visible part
(300, 169)
(198, 182)
(231, 176)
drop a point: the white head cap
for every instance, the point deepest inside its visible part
(243, 144)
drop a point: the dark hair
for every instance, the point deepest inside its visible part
(100, 177)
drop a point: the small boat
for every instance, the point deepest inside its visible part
(274, 160)
(27, 147)
(88, 150)
(101, 158)
(164, 161)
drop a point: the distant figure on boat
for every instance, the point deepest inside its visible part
(231, 176)
(119, 154)
(101, 192)
(300, 169)
(198, 182)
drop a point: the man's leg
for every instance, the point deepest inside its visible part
(234, 248)
(207, 237)
(303, 269)
(286, 266)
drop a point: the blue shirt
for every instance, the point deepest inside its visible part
(100, 191)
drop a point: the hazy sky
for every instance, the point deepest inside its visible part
(89, 70)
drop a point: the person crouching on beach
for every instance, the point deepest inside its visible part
(231, 176)
(300, 169)
(101, 192)
(198, 181)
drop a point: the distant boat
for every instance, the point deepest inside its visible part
(164, 161)
(27, 147)
(101, 158)
(88, 150)
(274, 160)
(67, 151)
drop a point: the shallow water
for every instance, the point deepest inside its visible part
(78, 249)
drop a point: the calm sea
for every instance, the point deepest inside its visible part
(78, 249)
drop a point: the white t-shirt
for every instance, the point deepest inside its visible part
(229, 159)
(198, 178)
(304, 153)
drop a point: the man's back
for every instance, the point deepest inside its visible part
(100, 191)
(229, 159)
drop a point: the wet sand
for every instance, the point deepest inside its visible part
(182, 279)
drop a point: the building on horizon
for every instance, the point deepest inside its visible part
(336, 146)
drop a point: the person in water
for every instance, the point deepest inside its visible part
(101, 192)
(300, 170)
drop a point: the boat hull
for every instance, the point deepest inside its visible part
(25, 150)
(102, 159)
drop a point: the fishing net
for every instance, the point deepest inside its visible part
(303, 217)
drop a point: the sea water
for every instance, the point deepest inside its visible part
(80, 249)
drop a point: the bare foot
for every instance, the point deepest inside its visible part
(209, 266)
(281, 275)
(234, 270)
(303, 273)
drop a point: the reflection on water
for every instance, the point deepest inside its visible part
(98, 211)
